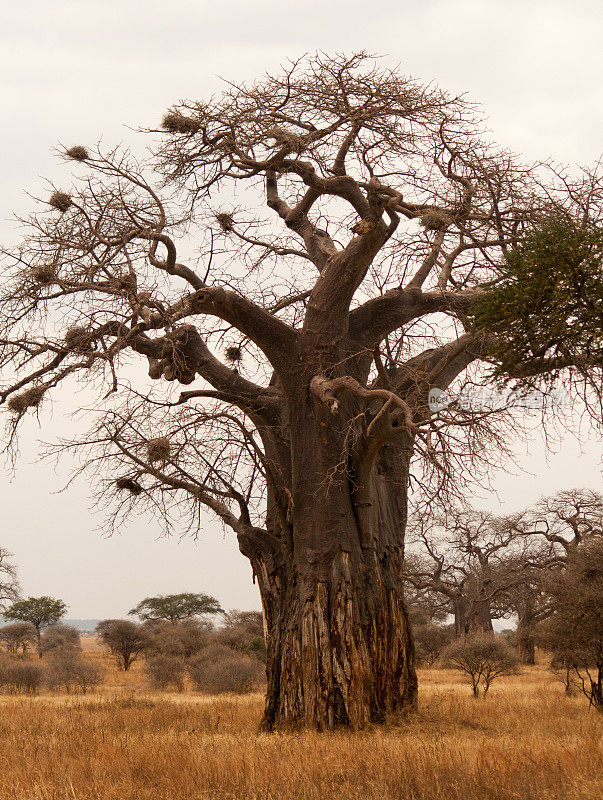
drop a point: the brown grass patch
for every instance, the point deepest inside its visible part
(525, 741)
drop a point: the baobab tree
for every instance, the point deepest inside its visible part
(470, 564)
(328, 231)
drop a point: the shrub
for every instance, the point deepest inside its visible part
(69, 671)
(125, 640)
(177, 639)
(21, 676)
(430, 641)
(165, 672)
(60, 639)
(18, 636)
(483, 658)
(243, 631)
(220, 669)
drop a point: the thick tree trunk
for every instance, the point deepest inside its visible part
(525, 644)
(340, 649)
(525, 632)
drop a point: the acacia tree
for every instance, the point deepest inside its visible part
(41, 612)
(328, 230)
(176, 607)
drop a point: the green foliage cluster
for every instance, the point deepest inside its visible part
(547, 307)
(176, 607)
(40, 611)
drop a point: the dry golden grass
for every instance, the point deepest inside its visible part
(525, 741)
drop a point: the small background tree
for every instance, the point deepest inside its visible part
(39, 611)
(125, 640)
(177, 607)
(18, 636)
(483, 658)
(574, 632)
(61, 640)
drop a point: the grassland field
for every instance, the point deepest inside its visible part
(525, 741)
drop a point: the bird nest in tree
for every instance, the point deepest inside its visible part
(174, 122)
(234, 354)
(225, 221)
(44, 274)
(129, 485)
(434, 220)
(158, 449)
(77, 153)
(60, 200)
(76, 338)
(123, 283)
(31, 398)
(288, 139)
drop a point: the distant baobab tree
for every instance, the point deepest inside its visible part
(342, 236)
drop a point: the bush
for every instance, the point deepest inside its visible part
(220, 669)
(483, 658)
(60, 639)
(125, 640)
(177, 639)
(21, 676)
(18, 636)
(243, 631)
(430, 641)
(70, 672)
(165, 672)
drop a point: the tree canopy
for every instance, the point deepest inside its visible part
(176, 607)
(40, 611)
(306, 253)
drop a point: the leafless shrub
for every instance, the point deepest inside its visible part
(483, 658)
(60, 639)
(430, 642)
(165, 672)
(21, 676)
(18, 636)
(68, 671)
(220, 669)
(125, 640)
(177, 639)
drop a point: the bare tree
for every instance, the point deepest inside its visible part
(469, 563)
(328, 230)
(18, 636)
(9, 582)
(483, 658)
(125, 640)
(61, 640)
(564, 522)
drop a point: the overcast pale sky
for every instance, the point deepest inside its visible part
(75, 71)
